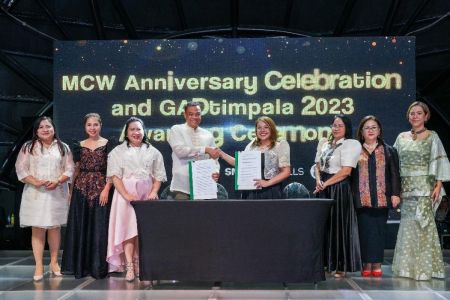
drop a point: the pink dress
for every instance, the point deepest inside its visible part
(136, 167)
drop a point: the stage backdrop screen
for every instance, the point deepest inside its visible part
(301, 83)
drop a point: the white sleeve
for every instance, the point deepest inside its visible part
(320, 145)
(159, 171)
(350, 152)
(23, 163)
(114, 163)
(68, 164)
(284, 154)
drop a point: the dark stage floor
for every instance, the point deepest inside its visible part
(16, 270)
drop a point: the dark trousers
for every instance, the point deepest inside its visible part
(181, 196)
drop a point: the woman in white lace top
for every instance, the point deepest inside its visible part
(276, 163)
(45, 165)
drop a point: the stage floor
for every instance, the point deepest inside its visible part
(16, 270)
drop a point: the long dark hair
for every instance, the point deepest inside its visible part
(359, 134)
(29, 146)
(145, 139)
(348, 127)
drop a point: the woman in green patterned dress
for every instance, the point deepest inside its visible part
(423, 167)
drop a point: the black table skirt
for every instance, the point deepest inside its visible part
(232, 240)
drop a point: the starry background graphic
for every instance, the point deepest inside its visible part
(234, 58)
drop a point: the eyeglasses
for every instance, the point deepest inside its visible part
(373, 128)
(336, 126)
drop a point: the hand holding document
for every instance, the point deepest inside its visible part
(202, 184)
(248, 169)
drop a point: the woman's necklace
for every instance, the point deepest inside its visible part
(415, 133)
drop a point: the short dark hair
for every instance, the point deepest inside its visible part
(191, 104)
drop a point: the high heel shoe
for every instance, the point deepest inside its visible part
(377, 273)
(38, 277)
(56, 272)
(366, 270)
(129, 276)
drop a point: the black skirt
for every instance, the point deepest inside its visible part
(341, 247)
(271, 192)
(86, 238)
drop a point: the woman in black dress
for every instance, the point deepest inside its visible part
(87, 225)
(376, 188)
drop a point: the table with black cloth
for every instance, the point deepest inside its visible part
(232, 240)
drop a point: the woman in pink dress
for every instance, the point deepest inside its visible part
(137, 170)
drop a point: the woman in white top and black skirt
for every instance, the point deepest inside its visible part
(335, 159)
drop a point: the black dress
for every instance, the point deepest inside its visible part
(87, 225)
(372, 217)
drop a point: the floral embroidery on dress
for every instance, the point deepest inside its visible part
(92, 179)
(380, 175)
(364, 181)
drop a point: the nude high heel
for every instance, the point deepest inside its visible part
(38, 277)
(56, 272)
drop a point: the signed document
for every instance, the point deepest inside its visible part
(202, 185)
(247, 169)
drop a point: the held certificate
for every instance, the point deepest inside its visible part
(247, 169)
(201, 183)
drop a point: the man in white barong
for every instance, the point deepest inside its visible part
(189, 142)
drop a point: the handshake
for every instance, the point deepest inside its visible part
(213, 152)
